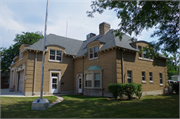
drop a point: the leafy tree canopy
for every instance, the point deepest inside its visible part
(172, 64)
(7, 54)
(139, 15)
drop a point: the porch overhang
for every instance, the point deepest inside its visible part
(95, 67)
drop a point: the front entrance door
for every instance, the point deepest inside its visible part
(79, 85)
(54, 83)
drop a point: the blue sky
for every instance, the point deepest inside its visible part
(17, 16)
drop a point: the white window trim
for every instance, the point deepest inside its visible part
(145, 59)
(93, 53)
(92, 81)
(129, 77)
(55, 56)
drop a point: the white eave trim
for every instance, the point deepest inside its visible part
(15, 58)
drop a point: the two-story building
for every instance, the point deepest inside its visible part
(87, 67)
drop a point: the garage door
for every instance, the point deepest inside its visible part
(21, 81)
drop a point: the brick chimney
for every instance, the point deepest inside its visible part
(103, 28)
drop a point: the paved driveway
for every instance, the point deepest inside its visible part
(7, 93)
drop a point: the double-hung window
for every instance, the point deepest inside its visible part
(143, 76)
(139, 49)
(93, 52)
(129, 76)
(150, 76)
(88, 80)
(55, 55)
(93, 79)
(145, 55)
(96, 79)
(161, 78)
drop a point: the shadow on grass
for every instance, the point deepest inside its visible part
(77, 106)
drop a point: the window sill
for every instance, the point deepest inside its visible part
(151, 82)
(144, 82)
(145, 59)
(93, 58)
(93, 88)
(55, 61)
(161, 84)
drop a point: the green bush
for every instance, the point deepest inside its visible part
(114, 89)
(117, 89)
(175, 86)
(138, 90)
(129, 89)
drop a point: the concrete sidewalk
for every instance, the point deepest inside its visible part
(7, 93)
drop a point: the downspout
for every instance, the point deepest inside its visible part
(122, 65)
(82, 75)
(34, 81)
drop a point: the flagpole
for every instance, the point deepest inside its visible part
(42, 74)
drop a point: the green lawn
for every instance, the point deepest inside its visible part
(166, 106)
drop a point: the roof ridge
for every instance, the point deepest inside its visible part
(66, 37)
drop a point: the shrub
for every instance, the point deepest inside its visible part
(113, 88)
(138, 90)
(175, 86)
(116, 89)
(129, 90)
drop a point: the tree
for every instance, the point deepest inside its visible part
(139, 15)
(172, 64)
(7, 54)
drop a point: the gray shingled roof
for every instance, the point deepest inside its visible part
(110, 41)
(71, 46)
(79, 48)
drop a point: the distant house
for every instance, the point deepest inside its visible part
(175, 77)
(87, 67)
(5, 80)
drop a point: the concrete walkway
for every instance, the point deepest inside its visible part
(60, 99)
(7, 93)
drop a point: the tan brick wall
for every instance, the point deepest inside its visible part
(66, 68)
(106, 60)
(18, 64)
(78, 63)
(131, 62)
